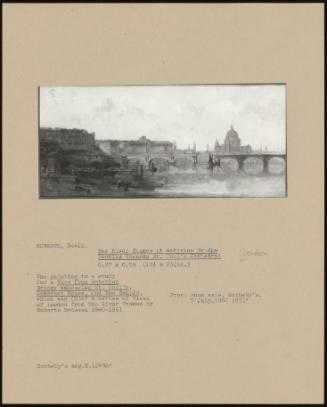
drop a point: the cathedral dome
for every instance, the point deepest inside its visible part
(231, 134)
(232, 140)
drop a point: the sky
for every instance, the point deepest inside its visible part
(189, 114)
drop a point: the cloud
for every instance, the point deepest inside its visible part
(270, 112)
(106, 107)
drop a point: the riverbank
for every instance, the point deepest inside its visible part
(187, 184)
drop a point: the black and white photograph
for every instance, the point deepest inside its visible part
(173, 141)
(163, 185)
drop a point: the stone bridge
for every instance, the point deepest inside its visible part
(240, 158)
(264, 157)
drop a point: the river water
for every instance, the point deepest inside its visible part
(245, 186)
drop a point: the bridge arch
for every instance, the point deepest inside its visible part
(268, 163)
(253, 165)
(230, 164)
(276, 165)
(159, 163)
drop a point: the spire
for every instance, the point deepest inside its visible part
(231, 127)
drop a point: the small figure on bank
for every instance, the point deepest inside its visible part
(195, 161)
(210, 163)
(152, 167)
(217, 162)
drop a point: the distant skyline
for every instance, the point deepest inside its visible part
(185, 114)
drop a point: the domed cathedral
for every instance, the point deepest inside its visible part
(232, 144)
(232, 141)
